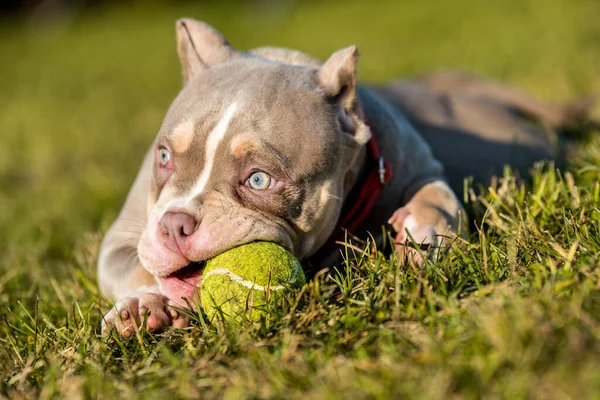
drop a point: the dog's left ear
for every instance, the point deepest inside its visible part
(338, 77)
(200, 46)
(338, 74)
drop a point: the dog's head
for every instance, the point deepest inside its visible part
(251, 149)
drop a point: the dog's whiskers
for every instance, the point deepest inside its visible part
(134, 222)
(130, 231)
(125, 243)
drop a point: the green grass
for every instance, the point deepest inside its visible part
(512, 313)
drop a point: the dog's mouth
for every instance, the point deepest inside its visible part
(190, 274)
(183, 283)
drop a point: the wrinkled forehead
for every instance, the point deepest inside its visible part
(276, 104)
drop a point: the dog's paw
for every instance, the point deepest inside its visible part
(151, 311)
(408, 229)
(123, 317)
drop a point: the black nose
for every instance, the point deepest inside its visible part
(176, 227)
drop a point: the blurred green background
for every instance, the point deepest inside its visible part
(83, 88)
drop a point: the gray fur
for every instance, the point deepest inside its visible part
(305, 124)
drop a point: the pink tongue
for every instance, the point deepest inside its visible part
(182, 284)
(190, 274)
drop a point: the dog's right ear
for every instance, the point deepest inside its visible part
(200, 46)
(337, 76)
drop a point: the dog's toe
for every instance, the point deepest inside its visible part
(407, 228)
(158, 312)
(397, 219)
(123, 317)
(179, 319)
(152, 311)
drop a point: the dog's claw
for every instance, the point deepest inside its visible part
(174, 314)
(127, 331)
(124, 315)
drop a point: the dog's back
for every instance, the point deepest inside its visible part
(476, 127)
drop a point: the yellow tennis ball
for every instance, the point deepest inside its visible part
(249, 280)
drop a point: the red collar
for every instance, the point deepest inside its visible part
(360, 201)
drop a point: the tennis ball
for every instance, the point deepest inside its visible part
(249, 280)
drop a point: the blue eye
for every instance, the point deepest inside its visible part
(259, 181)
(164, 157)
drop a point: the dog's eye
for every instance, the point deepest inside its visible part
(164, 157)
(259, 181)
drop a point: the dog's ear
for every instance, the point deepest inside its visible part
(338, 77)
(200, 46)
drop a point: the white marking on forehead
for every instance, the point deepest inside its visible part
(212, 142)
(182, 136)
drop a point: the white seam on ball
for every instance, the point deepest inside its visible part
(238, 279)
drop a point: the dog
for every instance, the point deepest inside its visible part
(274, 145)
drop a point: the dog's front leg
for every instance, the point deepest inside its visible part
(122, 277)
(137, 295)
(430, 217)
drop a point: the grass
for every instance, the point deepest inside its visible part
(512, 313)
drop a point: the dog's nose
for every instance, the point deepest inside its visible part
(176, 227)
